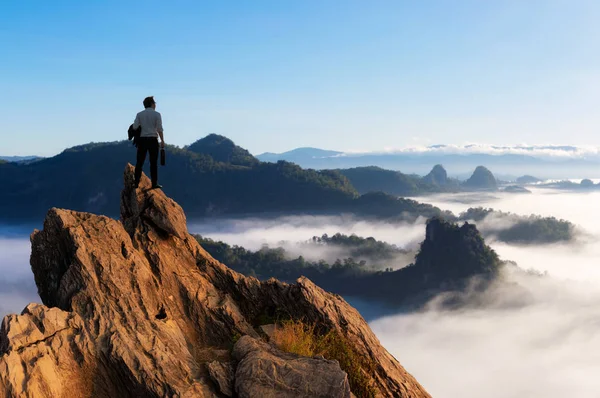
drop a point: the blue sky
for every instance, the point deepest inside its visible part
(275, 75)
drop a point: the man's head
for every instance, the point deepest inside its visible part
(149, 102)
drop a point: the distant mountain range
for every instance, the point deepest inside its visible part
(213, 177)
(298, 155)
(507, 162)
(19, 159)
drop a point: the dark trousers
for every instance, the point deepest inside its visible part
(144, 145)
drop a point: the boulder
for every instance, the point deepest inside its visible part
(264, 371)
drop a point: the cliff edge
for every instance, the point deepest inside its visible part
(137, 308)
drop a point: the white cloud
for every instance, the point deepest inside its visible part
(549, 347)
(541, 341)
(549, 152)
(17, 288)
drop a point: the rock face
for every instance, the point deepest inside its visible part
(136, 308)
(481, 178)
(264, 371)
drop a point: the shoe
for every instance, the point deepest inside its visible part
(157, 186)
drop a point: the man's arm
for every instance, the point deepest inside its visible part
(159, 129)
(136, 122)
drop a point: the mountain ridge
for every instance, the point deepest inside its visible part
(516, 161)
(86, 178)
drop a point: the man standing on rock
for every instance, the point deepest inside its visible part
(151, 123)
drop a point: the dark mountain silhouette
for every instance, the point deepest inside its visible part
(528, 180)
(437, 176)
(481, 178)
(376, 179)
(222, 149)
(87, 178)
(522, 229)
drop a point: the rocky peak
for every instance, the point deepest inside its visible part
(481, 178)
(222, 149)
(437, 176)
(137, 308)
(452, 252)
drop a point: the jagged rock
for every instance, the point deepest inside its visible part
(264, 371)
(223, 375)
(268, 330)
(137, 308)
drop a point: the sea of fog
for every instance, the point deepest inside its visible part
(549, 347)
(17, 288)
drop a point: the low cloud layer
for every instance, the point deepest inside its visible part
(17, 288)
(547, 345)
(549, 152)
(287, 232)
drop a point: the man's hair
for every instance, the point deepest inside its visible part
(148, 102)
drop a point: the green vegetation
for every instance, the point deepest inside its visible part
(372, 250)
(522, 229)
(376, 179)
(222, 149)
(277, 262)
(449, 257)
(302, 339)
(89, 178)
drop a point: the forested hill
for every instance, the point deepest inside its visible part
(208, 178)
(376, 179)
(448, 258)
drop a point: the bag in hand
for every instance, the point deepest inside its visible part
(162, 156)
